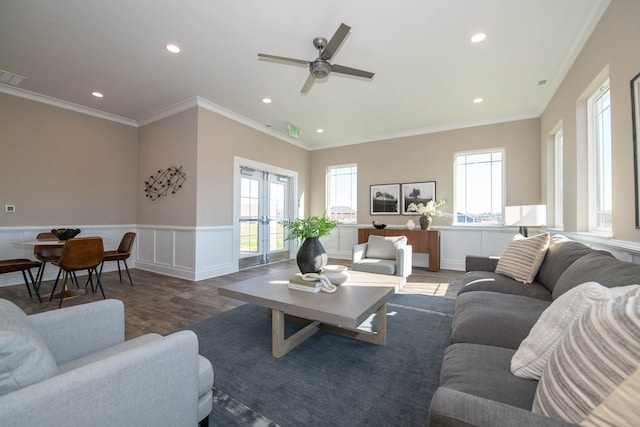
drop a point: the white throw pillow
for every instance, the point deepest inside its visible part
(534, 352)
(593, 373)
(523, 257)
(24, 357)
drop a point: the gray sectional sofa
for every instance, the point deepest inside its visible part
(493, 315)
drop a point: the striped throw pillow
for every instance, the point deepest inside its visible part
(593, 377)
(523, 257)
(536, 349)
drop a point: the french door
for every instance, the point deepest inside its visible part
(264, 201)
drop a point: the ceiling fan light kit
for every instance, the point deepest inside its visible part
(320, 68)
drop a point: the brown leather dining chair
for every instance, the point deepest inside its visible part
(84, 253)
(23, 265)
(121, 254)
(46, 254)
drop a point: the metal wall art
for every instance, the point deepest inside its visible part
(165, 181)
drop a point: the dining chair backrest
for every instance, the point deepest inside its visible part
(82, 253)
(127, 242)
(45, 252)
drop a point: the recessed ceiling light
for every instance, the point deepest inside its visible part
(173, 48)
(477, 38)
(320, 130)
(97, 94)
(478, 100)
(266, 100)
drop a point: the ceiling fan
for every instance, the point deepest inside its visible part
(320, 67)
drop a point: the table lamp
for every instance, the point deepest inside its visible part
(525, 216)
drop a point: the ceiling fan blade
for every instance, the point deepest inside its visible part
(335, 41)
(308, 83)
(285, 59)
(335, 68)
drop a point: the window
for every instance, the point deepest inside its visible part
(249, 201)
(342, 193)
(600, 187)
(558, 179)
(479, 187)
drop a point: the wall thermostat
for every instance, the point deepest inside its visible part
(10, 208)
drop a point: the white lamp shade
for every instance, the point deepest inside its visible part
(525, 215)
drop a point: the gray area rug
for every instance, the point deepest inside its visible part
(329, 380)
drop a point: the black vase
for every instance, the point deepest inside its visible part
(311, 256)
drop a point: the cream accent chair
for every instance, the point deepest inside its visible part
(383, 255)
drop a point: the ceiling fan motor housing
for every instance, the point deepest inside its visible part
(320, 68)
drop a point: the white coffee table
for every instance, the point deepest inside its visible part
(341, 312)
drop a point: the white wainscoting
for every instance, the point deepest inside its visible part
(112, 234)
(459, 241)
(455, 243)
(193, 253)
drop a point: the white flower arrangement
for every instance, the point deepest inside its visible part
(430, 209)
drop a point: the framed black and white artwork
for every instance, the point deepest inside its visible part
(385, 199)
(417, 192)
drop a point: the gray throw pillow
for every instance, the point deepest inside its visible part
(385, 247)
(601, 267)
(562, 252)
(24, 357)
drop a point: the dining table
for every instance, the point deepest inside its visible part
(68, 293)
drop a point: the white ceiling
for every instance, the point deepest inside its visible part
(427, 72)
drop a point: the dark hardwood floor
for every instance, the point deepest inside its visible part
(161, 304)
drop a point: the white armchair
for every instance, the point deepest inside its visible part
(72, 367)
(383, 255)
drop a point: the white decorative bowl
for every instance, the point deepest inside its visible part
(337, 274)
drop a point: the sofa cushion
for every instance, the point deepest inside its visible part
(561, 253)
(493, 282)
(384, 247)
(601, 267)
(493, 318)
(377, 266)
(599, 355)
(534, 352)
(24, 357)
(522, 257)
(483, 371)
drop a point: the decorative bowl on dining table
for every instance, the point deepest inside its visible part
(65, 233)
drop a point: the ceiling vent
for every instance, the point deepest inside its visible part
(10, 78)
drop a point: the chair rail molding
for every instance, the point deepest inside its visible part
(199, 252)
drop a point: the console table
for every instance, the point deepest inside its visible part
(422, 241)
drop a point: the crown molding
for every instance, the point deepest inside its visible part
(181, 106)
(432, 129)
(43, 99)
(215, 108)
(197, 101)
(594, 17)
